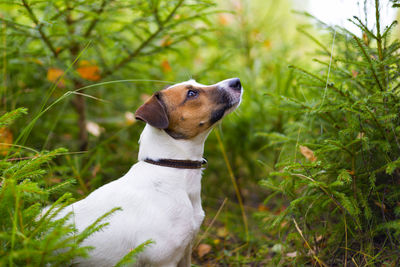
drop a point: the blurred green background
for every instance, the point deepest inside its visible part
(90, 64)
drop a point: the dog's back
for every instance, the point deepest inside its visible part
(155, 206)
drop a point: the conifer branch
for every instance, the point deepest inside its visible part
(39, 26)
(369, 61)
(146, 42)
(315, 40)
(96, 19)
(379, 42)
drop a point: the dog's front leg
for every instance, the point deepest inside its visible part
(187, 257)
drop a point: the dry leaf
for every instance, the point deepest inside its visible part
(351, 172)
(55, 180)
(262, 207)
(292, 254)
(203, 249)
(165, 66)
(129, 118)
(354, 73)
(95, 170)
(93, 128)
(53, 74)
(360, 135)
(88, 71)
(365, 38)
(6, 137)
(308, 153)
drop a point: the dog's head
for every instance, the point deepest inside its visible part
(187, 109)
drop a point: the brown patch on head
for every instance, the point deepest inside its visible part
(192, 110)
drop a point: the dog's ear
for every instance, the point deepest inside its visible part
(153, 112)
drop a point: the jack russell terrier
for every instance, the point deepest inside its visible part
(160, 195)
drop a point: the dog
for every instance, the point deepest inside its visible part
(160, 194)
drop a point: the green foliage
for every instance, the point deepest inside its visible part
(56, 53)
(29, 234)
(129, 258)
(344, 193)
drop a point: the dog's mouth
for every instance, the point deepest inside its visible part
(230, 100)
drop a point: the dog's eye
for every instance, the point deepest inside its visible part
(192, 94)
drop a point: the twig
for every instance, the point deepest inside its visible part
(345, 231)
(320, 262)
(355, 263)
(96, 19)
(232, 176)
(132, 55)
(39, 25)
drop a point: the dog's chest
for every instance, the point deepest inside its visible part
(183, 189)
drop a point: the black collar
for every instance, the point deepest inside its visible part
(179, 163)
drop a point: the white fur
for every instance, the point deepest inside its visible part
(158, 203)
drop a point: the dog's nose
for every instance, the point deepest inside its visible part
(235, 84)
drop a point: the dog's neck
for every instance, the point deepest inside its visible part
(156, 144)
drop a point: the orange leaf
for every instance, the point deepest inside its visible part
(223, 19)
(365, 38)
(308, 153)
(54, 74)
(88, 71)
(203, 249)
(262, 207)
(166, 41)
(6, 137)
(165, 66)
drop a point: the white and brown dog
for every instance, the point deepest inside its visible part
(160, 195)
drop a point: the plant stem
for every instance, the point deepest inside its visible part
(369, 61)
(3, 90)
(233, 179)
